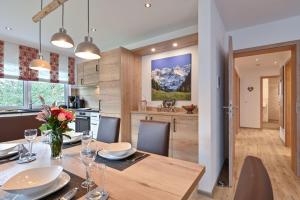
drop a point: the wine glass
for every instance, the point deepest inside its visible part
(30, 135)
(88, 155)
(86, 139)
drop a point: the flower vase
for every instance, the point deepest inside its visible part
(56, 143)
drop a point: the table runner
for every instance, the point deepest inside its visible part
(122, 164)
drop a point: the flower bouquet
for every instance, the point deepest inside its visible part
(55, 124)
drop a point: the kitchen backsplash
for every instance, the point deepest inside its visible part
(91, 95)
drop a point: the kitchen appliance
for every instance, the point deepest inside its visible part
(82, 122)
(75, 102)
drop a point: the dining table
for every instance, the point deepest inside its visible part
(154, 177)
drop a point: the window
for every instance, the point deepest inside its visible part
(11, 93)
(52, 92)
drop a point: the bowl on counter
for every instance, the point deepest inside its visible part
(189, 108)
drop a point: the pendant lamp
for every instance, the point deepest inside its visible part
(40, 63)
(87, 49)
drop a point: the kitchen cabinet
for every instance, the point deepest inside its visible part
(88, 73)
(183, 143)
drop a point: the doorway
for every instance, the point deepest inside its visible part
(287, 120)
(270, 102)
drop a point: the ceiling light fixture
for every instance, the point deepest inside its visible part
(175, 44)
(148, 5)
(87, 49)
(153, 49)
(40, 63)
(93, 29)
(61, 38)
(8, 28)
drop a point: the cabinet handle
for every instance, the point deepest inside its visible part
(94, 124)
(146, 118)
(151, 118)
(97, 68)
(174, 124)
(81, 81)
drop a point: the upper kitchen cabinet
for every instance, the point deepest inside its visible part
(88, 73)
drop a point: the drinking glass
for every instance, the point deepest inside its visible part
(88, 155)
(86, 139)
(98, 171)
(30, 135)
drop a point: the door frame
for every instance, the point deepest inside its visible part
(261, 97)
(293, 46)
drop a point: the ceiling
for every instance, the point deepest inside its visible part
(118, 22)
(263, 60)
(243, 13)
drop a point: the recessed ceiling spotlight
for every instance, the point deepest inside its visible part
(8, 28)
(153, 49)
(148, 4)
(256, 59)
(175, 44)
(275, 62)
(93, 29)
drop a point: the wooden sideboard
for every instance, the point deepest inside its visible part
(183, 133)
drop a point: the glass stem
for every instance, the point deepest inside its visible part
(87, 174)
(30, 149)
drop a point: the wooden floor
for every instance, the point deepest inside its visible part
(266, 145)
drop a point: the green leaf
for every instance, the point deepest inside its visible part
(44, 127)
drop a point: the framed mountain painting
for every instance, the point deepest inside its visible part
(171, 78)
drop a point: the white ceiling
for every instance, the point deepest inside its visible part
(118, 22)
(238, 14)
(264, 60)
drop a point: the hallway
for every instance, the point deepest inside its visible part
(266, 145)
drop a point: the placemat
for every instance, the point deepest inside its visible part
(69, 145)
(124, 163)
(74, 182)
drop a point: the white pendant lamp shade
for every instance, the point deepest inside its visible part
(62, 39)
(40, 64)
(87, 49)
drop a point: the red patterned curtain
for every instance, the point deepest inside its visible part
(1, 59)
(71, 70)
(26, 55)
(54, 59)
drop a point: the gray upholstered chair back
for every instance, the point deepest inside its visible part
(254, 181)
(108, 130)
(154, 137)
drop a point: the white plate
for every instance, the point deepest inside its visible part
(75, 137)
(59, 183)
(7, 147)
(112, 157)
(117, 149)
(32, 180)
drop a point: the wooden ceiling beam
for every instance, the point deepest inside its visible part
(47, 9)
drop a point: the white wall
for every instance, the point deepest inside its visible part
(250, 101)
(211, 65)
(264, 34)
(146, 75)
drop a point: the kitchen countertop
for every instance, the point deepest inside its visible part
(165, 113)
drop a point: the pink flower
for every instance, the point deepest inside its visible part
(61, 117)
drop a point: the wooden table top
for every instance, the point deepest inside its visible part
(155, 177)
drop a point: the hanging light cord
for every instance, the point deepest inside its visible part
(88, 18)
(62, 16)
(40, 31)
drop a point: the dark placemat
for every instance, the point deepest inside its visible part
(69, 145)
(74, 182)
(9, 158)
(124, 163)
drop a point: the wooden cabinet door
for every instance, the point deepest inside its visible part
(185, 138)
(135, 124)
(91, 73)
(80, 74)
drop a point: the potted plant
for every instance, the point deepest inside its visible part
(55, 124)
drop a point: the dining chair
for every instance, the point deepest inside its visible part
(153, 137)
(254, 181)
(108, 130)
